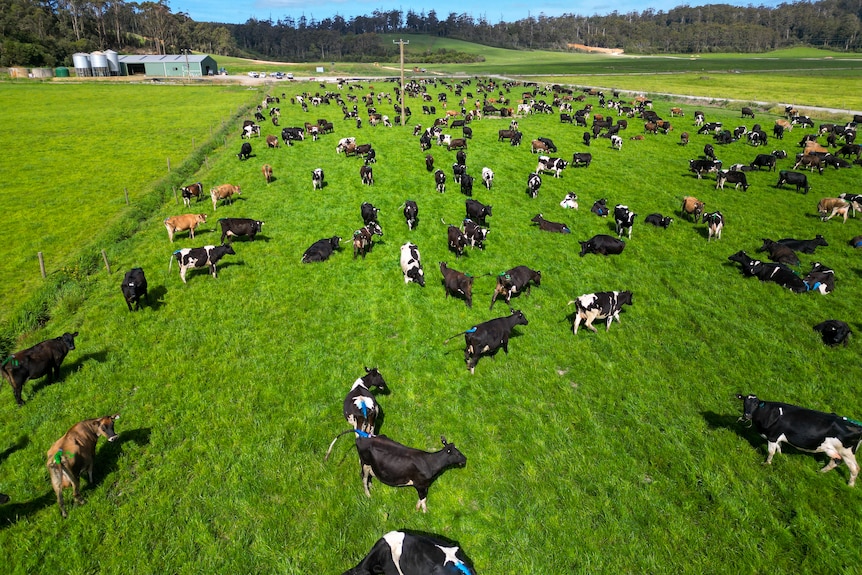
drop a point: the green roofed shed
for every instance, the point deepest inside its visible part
(170, 65)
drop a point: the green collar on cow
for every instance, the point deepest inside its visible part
(853, 421)
(58, 457)
(12, 359)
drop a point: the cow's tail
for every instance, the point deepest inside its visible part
(358, 432)
(443, 222)
(471, 330)
(171, 261)
(58, 467)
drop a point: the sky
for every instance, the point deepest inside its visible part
(233, 12)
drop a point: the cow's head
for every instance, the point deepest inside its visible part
(750, 403)
(520, 318)
(586, 247)
(372, 378)
(624, 298)
(69, 339)
(453, 456)
(105, 426)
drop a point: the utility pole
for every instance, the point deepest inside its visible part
(188, 70)
(401, 43)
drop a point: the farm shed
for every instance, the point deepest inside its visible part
(179, 65)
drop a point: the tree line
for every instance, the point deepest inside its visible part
(48, 32)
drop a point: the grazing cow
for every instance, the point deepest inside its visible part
(134, 287)
(747, 112)
(624, 219)
(549, 143)
(586, 138)
(764, 161)
(537, 146)
(411, 214)
(605, 305)
(811, 161)
(457, 283)
(804, 246)
(411, 264)
(570, 201)
(200, 257)
(616, 142)
(477, 211)
(405, 553)
(709, 152)
(429, 162)
(683, 139)
(732, 177)
(366, 175)
(182, 223)
(830, 207)
(292, 134)
(834, 332)
(658, 220)
(399, 466)
(794, 179)
(582, 159)
(249, 130)
(192, 191)
(779, 252)
(466, 184)
(548, 226)
(42, 359)
(342, 145)
(534, 182)
(508, 135)
(855, 201)
(701, 167)
(548, 164)
(320, 250)
(676, 112)
(317, 178)
(271, 141)
(600, 208)
(75, 454)
(692, 206)
(457, 144)
(244, 151)
(224, 192)
(461, 158)
(602, 244)
(515, 281)
(475, 234)
(487, 177)
(488, 337)
(848, 150)
(806, 430)
(236, 227)
(813, 147)
(363, 239)
(715, 223)
(440, 180)
(267, 173)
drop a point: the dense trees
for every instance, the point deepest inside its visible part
(48, 32)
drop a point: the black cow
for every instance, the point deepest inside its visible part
(600, 208)
(366, 175)
(477, 211)
(457, 283)
(244, 151)
(405, 553)
(779, 252)
(582, 159)
(457, 240)
(200, 257)
(440, 180)
(764, 161)
(794, 179)
(461, 157)
(709, 151)
(369, 213)
(467, 184)
(701, 167)
(747, 112)
(834, 332)
(488, 337)
(429, 162)
(411, 214)
(731, 177)
(804, 429)
(44, 358)
(235, 227)
(397, 465)
(534, 182)
(320, 250)
(624, 219)
(602, 244)
(549, 226)
(586, 137)
(515, 281)
(804, 246)
(605, 305)
(134, 287)
(658, 220)
(778, 273)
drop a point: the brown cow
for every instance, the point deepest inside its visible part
(784, 124)
(75, 453)
(267, 172)
(676, 112)
(224, 192)
(832, 207)
(195, 190)
(692, 206)
(184, 222)
(539, 146)
(457, 144)
(812, 147)
(272, 141)
(811, 161)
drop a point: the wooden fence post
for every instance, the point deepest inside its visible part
(174, 189)
(107, 265)
(169, 164)
(126, 193)
(41, 264)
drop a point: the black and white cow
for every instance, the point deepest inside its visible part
(570, 201)
(360, 406)
(834, 332)
(701, 167)
(515, 281)
(820, 278)
(406, 553)
(658, 220)
(804, 246)
(397, 465)
(42, 359)
(602, 244)
(605, 305)
(773, 272)
(320, 250)
(616, 142)
(600, 208)
(548, 164)
(440, 180)
(366, 175)
(317, 177)
(363, 239)
(458, 170)
(369, 213)
(534, 182)
(244, 151)
(477, 211)
(487, 177)
(624, 219)
(411, 265)
(411, 214)
(475, 233)
(714, 224)
(794, 179)
(190, 191)
(296, 134)
(806, 430)
(200, 257)
(134, 287)
(457, 241)
(488, 337)
(235, 227)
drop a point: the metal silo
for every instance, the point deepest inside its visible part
(81, 62)
(99, 62)
(113, 62)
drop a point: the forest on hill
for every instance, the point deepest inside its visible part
(47, 32)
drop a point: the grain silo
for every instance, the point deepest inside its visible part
(99, 63)
(113, 63)
(81, 62)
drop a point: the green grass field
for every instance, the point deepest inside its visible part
(615, 452)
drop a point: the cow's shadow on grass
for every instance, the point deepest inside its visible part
(12, 512)
(204, 272)
(22, 442)
(66, 368)
(743, 429)
(109, 453)
(156, 297)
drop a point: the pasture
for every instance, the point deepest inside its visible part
(610, 452)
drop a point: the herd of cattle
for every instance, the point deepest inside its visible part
(397, 465)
